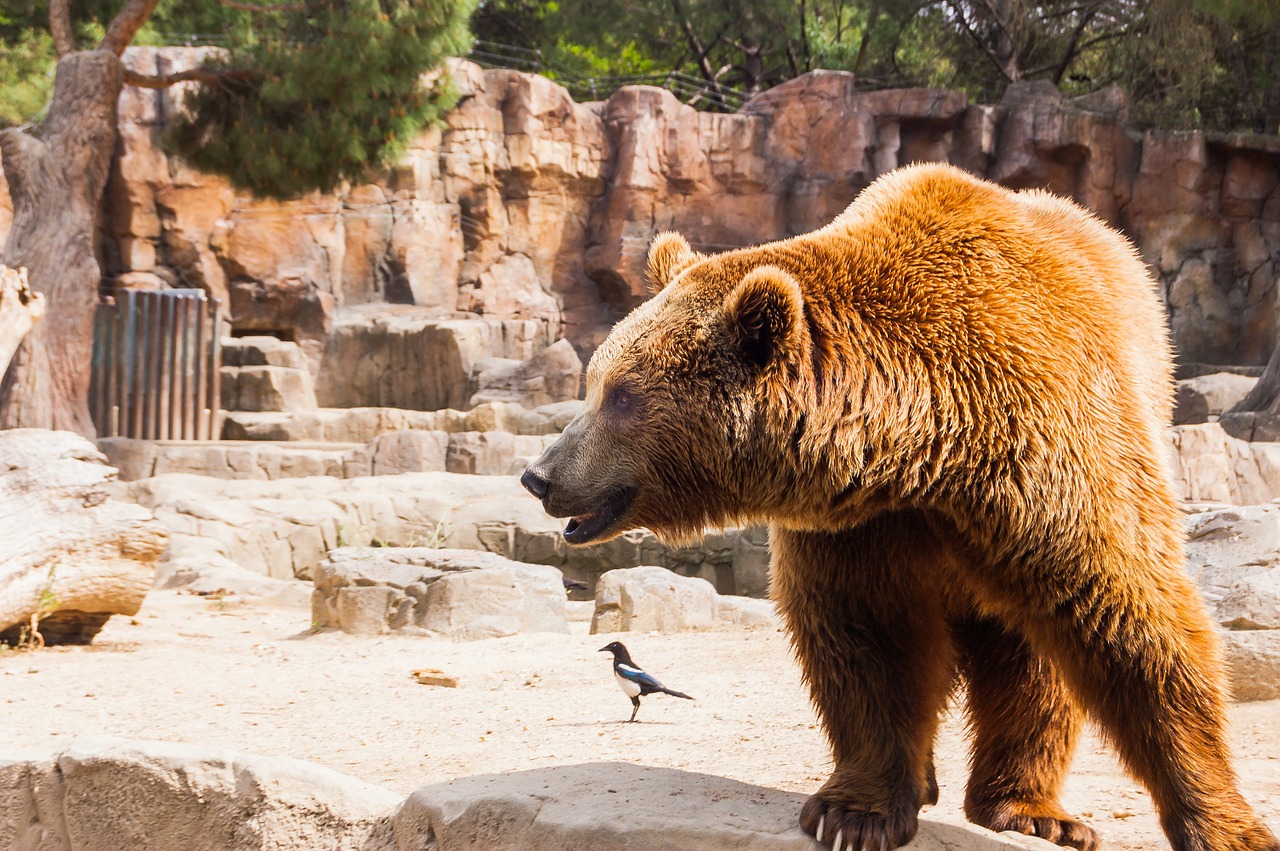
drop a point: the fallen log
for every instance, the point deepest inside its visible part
(71, 555)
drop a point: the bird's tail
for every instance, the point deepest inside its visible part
(674, 693)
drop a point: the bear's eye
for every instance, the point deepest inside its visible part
(621, 399)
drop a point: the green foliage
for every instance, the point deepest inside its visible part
(26, 63)
(308, 99)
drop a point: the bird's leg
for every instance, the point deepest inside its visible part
(635, 701)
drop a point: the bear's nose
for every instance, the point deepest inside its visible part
(535, 484)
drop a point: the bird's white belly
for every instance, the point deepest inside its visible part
(629, 688)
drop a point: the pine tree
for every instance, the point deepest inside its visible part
(305, 95)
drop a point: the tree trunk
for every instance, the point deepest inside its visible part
(56, 175)
(20, 310)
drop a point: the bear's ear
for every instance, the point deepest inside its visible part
(669, 255)
(766, 314)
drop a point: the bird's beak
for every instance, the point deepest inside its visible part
(603, 650)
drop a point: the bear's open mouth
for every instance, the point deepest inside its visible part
(585, 528)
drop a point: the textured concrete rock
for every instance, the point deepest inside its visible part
(1206, 396)
(412, 358)
(528, 206)
(1210, 465)
(459, 593)
(71, 554)
(362, 425)
(262, 351)
(1253, 662)
(1229, 545)
(615, 805)
(267, 388)
(1252, 602)
(102, 793)
(653, 599)
(552, 375)
(408, 452)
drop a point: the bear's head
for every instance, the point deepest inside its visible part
(686, 401)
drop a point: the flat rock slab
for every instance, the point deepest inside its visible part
(462, 593)
(108, 793)
(617, 805)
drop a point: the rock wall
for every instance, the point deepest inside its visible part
(526, 205)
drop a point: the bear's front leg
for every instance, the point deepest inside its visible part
(867, 624)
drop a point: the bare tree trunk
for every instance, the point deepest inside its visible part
(20, 310)
(56, 178)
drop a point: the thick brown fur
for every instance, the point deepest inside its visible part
(950, 406)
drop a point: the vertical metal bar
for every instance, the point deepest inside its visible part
(133, 416)
(181, 339)
(124, 309)
(199, 374)
(215, 370)
(111, 365)
(97, 366)
(164, 387)
(155, 344)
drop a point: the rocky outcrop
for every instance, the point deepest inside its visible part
(528, 207)
(654, 599)
(1234, 556)
(71, 555)
(1210, 465)
(105, 792)
(459, 593)
(283, 529)
(101, 793)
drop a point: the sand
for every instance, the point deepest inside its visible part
(252, 676)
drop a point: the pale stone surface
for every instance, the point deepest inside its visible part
(746, 611)
(408, 452)
(1252, 603)
(1232, 544)
(1253, 661)
(528, 206)
(646, 598)
(362, 425)
(71, 553)
(104, 792)
(616, 805)
(1206, 396)
(460, 593)
(552, 375)
(267, 388)
(1209, 465)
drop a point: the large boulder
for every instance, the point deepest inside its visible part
(71, 555)
(460, 593)
(1253, 664)
(615, 805)
(107, 793)
(1210, 465)
(654, 599)
(1230, 545)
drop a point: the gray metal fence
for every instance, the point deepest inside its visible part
(156, 358)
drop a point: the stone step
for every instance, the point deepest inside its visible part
(361, 425)
(486, 453)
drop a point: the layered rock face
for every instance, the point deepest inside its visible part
(526, 207)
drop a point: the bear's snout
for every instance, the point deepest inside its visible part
(535, 484)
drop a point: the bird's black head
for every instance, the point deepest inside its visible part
(619, 651)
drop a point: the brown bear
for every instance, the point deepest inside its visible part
(950, 405)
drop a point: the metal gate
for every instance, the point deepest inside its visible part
(156, 358)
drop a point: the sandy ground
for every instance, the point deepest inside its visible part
(251, 676)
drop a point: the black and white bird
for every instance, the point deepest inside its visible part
(633, 681)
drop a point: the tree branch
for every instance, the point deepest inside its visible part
(257, 7)
(64, 37)
(198, 75)
(125, 25)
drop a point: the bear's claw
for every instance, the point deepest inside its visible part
(1055, 827)
(856, 830)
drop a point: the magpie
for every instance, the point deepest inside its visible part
(633, 681)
